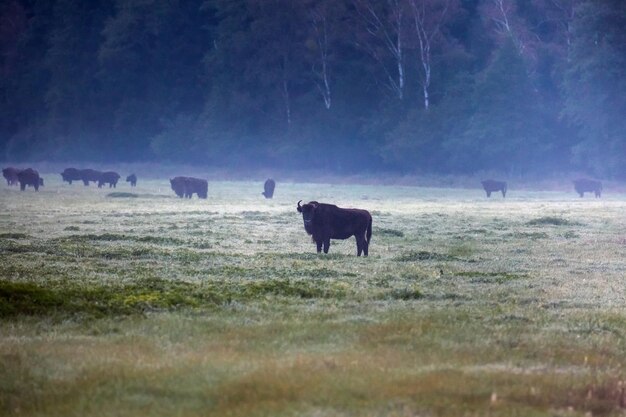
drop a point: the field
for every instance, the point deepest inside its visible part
(145, 304)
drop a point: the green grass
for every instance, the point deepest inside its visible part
(155, 305)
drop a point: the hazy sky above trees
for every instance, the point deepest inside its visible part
(411, 86)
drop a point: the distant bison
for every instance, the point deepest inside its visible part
(327, 221)
(179, 185)
(584, 185)
(108, 177)
(491, 185)
(90, 175)
(29, 177)
(10, 174)
(187, 186)
(71, 174)
(198, 186)
(132, 178)
(269, 186)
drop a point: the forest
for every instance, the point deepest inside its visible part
(521, 87)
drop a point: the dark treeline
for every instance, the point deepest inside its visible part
(438, 86)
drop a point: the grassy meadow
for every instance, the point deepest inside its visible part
(145, 304)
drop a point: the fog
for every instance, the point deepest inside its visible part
(332, 87)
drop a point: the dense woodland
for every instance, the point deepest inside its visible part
(413, 86)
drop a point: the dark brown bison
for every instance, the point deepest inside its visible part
(10, 174)
(583, 185)
(71, 174)
(491, 185)
(327, 221)
(187, 186)
(269, 186)
(29, 177)
(108, 177)
(132, 178)
(90, 175)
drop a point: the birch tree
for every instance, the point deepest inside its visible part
(428, 17)
(503, 19)
(384, 33)
(320, 16)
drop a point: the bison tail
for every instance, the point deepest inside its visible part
(368, 233)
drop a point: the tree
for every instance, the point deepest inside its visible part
(506, 130)
(429, 16)
(384, 26)
(595, 86)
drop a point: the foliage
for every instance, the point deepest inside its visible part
(529, 87)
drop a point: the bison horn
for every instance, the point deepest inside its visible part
(299, 203)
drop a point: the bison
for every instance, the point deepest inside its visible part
(71, 174)
(29, 177)
(327, 221)
(132, 178)
(187, 186)
(491, 185)
(108, 177)
(269, 186)
(10, 174)
(583, 185)
(89, 175)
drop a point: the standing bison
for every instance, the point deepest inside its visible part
(132, 179)
(187, 186)
(108, 177)
(29, 177)
(90, 175)
(327, 221)
(10, 174)
(268, 187)
(584, 185)
(491, 185)
(71, 174)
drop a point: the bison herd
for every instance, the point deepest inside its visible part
(322, 222)
(88, 176)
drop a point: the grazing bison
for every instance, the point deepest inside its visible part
(584, 185)
(132, 178)
(108, 177)
(327, 221)
(269, 186)
(10, 174)
(89, 175)
(491, 186)
(71, 174)
(29, 177)
(187, 186)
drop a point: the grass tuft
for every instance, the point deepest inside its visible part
(550, 220)
(13, 236)
(118, 194)
(422, 255)
(389, 232)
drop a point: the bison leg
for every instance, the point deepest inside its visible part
(22, 186)
(503, 193)
(36, 185)
(488, 194)
(361, 245)
(319, 245)
(326, 245)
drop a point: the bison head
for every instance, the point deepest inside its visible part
(308, 214)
